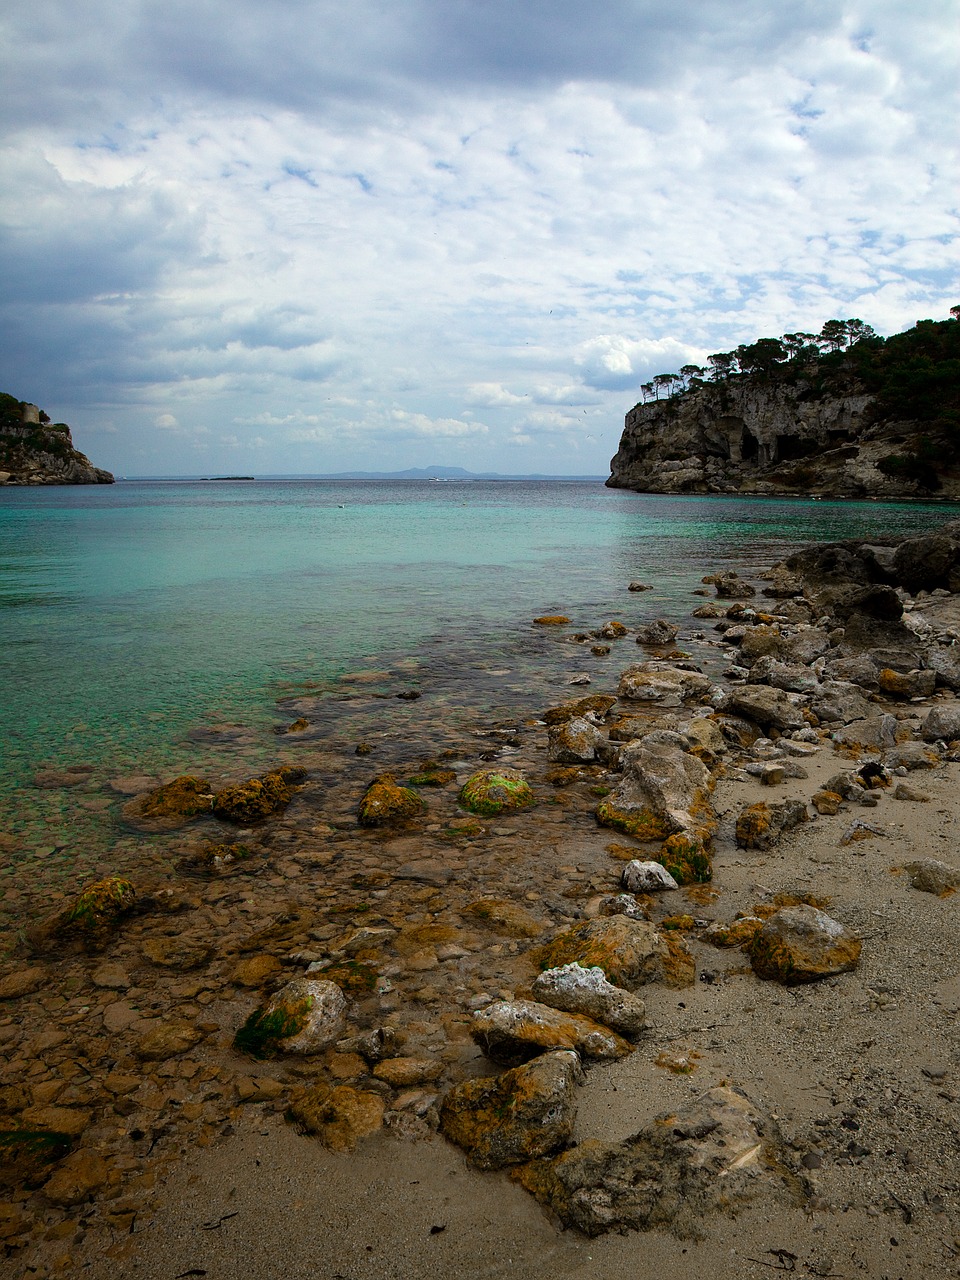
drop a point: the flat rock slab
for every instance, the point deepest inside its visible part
(514, 1031)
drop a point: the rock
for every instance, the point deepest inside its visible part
(385, 803)
(90, 921)
(70, 1121)
(595, 705)
(574, 989)
(306, 1016)
(513, 1031)
(792, 677)
(769, 708)
(79, 1175)
(505, 917)
(909, 684)
(72, 776)
(181, 953)
(339, 1117)
(493, 791)
(22, 982)
(111, 977)
(257, 798)
(167, 1040)
(945, 663)
(738, 933)
(171, 806)
(639, 586)
(552, 620)
(827, 803)
(657, 633)
(942, 723)
(256, 970)
(613, 630)
(665, 790)
(656, 681)
(730, 586)
(762, 641)
(524, 1113)
(926, 562)
(258, 1089)
(401, 1073)
(860, 669)
(803, 944)
(576, 741)
(839, 701)
(623, 904)
(630, 952)
(903, 791)
(875, 733)
(646, 877)
(432, 775)
(709, 1156)
(932, 876)
(912, 755)
(761, 825)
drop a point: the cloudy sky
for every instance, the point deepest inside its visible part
(279, 236)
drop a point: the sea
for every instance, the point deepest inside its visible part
(147, 626)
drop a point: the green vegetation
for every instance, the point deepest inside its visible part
(262, 1032)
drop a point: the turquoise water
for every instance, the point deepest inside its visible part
(132, 614)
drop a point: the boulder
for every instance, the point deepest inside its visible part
(525, 1113)
(912, 755)
(876, 732)
(664, 790)
(574, 989)
(646, 877)
(837, 700)
(597, 704)
(90, 921)
(171, 806)
(932, 876)
(306, 1016)
(945, 662)
(576, 741)
(657, 633)
(77, 1178)
(907, 684)
(859, 669)
(257, 798)
(730, 586)
(942, 723)
(926, 562)
(660, 682)
(708, 1156)
(792, 677)
(493, 791)
(339, 1116)
(762, 641)
(803, 944)
(513, 1031)
(629, 952)
(386, 803)
(769, 708)
(761, 825)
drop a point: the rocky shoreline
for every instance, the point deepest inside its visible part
(670, 952)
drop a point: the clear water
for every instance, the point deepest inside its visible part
(132, 614)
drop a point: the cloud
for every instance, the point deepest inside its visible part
(369, 223)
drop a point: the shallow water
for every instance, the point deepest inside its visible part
(133, 617)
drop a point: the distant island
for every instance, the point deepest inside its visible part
(842, 414)
(36, 451)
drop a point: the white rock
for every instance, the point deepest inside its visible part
(646, 877)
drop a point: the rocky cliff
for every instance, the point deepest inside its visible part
(879, 420)
(35, 451)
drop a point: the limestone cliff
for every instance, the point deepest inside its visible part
(881, 419)
(34, 451)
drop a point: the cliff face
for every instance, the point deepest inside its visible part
(34, 452)
(755, 436)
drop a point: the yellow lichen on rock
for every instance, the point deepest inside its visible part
(339, 1117)
(173, 805)
(385, 802)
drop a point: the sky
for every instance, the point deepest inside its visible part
(265, 237)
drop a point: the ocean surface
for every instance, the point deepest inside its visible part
(139, 622)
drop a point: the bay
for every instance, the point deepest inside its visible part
(140, 621)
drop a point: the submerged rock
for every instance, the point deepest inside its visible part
(91, 919)
(339, 1117)
(803, 944)
(524, 1113)
(493, 791)
(706, 1158)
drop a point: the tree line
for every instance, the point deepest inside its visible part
(765, 357)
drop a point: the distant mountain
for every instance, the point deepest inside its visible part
(444, 473)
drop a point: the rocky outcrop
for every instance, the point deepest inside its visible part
(755, 435)
(35, 451)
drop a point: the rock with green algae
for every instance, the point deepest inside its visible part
(630, 952)
(171, 806)
(687, 859)
(524, 1113)
(597, 704)
(665, 791)
(432, 775)
(802, 944)
(493, 791)
(91, 919)
(306, 1016)
(385, 802)
(258, 798)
